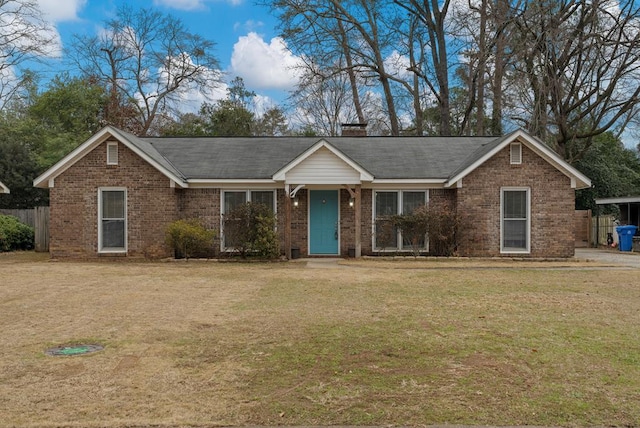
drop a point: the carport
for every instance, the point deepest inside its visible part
(629, 210)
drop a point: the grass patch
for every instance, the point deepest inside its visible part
(280, 344)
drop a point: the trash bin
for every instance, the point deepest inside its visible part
(625, 237)
(295, 253)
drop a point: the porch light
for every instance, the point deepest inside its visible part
(352, 202)
(295, 202)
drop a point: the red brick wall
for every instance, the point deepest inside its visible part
(151, 205)
(202, 204)
(552, 206)
(299, 220)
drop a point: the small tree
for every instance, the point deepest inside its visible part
(189, 238)
(250, 230)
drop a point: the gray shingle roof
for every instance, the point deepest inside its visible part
(261, 158)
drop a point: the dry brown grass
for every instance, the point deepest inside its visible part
(199, 344)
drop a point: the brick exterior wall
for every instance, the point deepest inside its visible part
(202, 204)
(299, 220)
(151, 205)
(552, 206)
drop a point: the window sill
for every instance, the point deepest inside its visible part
(113, 252)
(508, 251)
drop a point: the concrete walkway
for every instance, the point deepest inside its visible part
(614, 257)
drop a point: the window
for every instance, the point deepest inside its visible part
(515, 153)
(112, 153)
(515, 224)
(388, 203)
(112, 223)
(235, 198)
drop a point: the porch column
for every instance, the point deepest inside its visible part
(287, 222)
(358, 220)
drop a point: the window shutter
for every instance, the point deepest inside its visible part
(516, 153)
(112, 153)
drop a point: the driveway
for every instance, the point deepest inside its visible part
(622, 258)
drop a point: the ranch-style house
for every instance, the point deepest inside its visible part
(115, 194)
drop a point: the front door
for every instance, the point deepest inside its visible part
(323, 222)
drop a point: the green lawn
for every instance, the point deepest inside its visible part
(371, 343)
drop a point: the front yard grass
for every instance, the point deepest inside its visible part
(202, 344)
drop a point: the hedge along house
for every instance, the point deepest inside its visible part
(115, 194)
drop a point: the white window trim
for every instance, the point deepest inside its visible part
(399, 237)
(102, 250)
(518, 159)
(509, 250)
(223, 248)
(110, 160)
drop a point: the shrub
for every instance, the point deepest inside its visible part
(15, 235)
(250, 229)
(442, 226)
(445, 230)
(414, 228)
(189, 238)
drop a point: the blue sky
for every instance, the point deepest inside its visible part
(245, 35)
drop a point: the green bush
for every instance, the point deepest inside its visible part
(15, 235)
(250, 229)
(189, 238)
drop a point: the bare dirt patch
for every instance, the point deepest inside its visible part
(201, 344)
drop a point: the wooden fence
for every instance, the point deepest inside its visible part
(38, 218)
(582, 228)
(601, 226)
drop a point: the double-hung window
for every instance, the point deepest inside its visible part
(112, 220)
(389, 203)
(232, 199)
(515, 220)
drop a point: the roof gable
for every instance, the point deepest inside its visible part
(480, 156)
(3, 188)
(329, 164)
(137, 145)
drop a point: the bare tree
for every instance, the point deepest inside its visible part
(581, 61)
(24, 35)
(433, 14)
(323, 102)
(354, 34)
(146, 59)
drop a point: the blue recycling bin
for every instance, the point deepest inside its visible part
(625, 237)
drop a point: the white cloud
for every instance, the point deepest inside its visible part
(397, 65)
(180, 4)
(262, 103)
(191, 4)
(190, 97)
(262, 65)
(248, 26)
(61, 10)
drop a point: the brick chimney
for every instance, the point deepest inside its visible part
(354, 129)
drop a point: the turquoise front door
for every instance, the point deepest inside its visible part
(323, 222)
